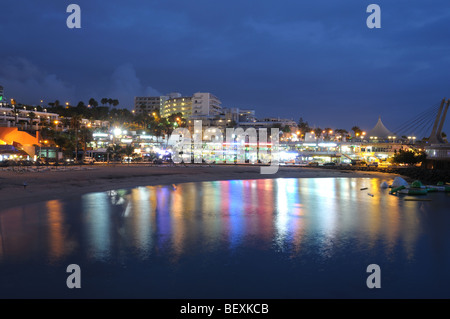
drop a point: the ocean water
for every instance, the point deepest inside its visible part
(267, 238)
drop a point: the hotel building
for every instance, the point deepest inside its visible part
(148, 104)
(177, 104)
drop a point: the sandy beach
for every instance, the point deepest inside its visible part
(64, 182)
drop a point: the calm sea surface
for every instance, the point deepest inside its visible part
(280, 238)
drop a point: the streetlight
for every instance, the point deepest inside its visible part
(117, 131)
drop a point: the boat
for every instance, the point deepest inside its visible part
(416, 188)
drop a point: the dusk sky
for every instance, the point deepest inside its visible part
(312, 59)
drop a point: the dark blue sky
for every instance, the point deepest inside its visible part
(288, 58)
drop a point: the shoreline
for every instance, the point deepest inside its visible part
(72, 181)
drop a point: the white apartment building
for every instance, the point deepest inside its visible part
(11, 116)
(197, 106)
(148, 104)
(205, 105)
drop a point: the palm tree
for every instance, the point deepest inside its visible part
(85, 138)
(341, 132)
(110, 102)
(66, 143)
(114, 150)
(128, 151)
(104, 101)
(93, 102)
(66, 122)
(32, 116)
(115, 102)
(75, 123)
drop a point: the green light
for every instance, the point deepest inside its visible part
(1, 97)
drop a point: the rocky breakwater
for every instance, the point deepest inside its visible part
(427, 176)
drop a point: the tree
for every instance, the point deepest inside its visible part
(104, 101)
(114, 150)
(318, 132)
(75, 123)
(286, 129)
(357, 130)
(176, 120)
(32, 116)
(164, 126)
(80, 104)
(86, 137)
(65, 142)
(341, 132)
(128, 151)
(327, 132)
(110, 102)
(115, 102)
(409, 157)
(93, 102)
(303, 127)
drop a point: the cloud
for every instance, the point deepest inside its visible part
(125, 85)
(29, 84)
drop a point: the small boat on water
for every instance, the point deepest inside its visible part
(416, 188)
(432, 188)
(408, 191)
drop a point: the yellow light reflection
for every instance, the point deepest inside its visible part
(56, 230)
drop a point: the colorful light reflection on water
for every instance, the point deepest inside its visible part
(268, 238)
